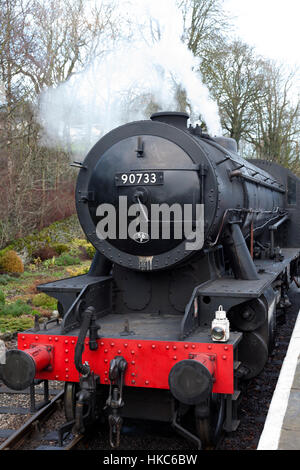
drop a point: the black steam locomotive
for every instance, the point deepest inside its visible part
(163, 328)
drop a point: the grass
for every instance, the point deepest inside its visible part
(16, 309)
(44, 301)
(13, 325)
(67, 260)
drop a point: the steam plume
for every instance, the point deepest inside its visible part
(122, 85)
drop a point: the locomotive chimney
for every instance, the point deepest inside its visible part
(175, 119)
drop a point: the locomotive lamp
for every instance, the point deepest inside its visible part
(220, 326)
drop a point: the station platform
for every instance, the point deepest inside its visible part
(282, 426)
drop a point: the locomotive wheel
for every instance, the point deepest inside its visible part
(71, 388)
(70, 400)
(209, 429)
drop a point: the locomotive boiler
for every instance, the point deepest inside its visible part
(168, 320)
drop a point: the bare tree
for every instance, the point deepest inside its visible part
(42, 43)
(276, 133)
(205, 24)
(69, 35)
(14, 38)
(235, 80)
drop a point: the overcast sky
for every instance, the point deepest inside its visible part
(272, 26)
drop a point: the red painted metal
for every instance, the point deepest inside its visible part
(42, 356)
(149, 362)
(208, 360)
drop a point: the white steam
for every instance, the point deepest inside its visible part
(120, 86)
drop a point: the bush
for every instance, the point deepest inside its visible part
(60, 248)
(78, 242)
(62, 232)
(90, 250)
(78, 271)
(66, 260)
(46, 252)
(49, 262)
(45, 301)
(4, 279)
(5, 250)
(11, 262)
(16, 309)
(82, 247)
(2, 298)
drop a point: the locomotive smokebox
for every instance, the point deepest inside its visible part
(191, 380)
(20, 367)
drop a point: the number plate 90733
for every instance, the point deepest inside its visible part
(136, 178)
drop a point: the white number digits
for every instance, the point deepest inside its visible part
(124, 178)
(138, 178)
(153, 177)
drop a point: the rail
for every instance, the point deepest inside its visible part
(16, 440)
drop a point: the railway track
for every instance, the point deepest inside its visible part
(37, 431)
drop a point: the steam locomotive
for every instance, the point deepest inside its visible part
(165, 327)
